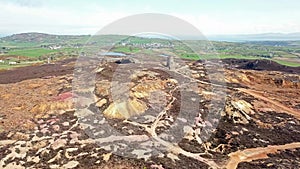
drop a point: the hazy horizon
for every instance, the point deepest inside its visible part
(211, 18)
(245, 34)
(229, 37)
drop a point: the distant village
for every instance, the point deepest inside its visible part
(59, 46)
(154, 45)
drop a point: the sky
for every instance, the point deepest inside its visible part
(211, 17)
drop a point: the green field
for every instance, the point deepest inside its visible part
(126, 49)
(35, 47)
(32, 53)
(194, 56)
(7, 67)
(287, 63)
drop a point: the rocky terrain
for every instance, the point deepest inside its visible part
(199, 115)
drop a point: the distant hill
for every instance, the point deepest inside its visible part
(257, 37)
(34, 37)
(42, 38)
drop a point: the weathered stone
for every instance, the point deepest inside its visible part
(71, 164)
(125, 109)
(5, 142)
(40, 144)
(101, 103)
(35, 159)
(20, 136)
(14, 165)
(59, 143)
(45, 130)
(106, 157)
(143, 90)
(54, 166)
(55, 127)
(102, 88)
(65, 123)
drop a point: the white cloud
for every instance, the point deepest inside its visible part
(19, 18)
(28, 16)
(221, 25)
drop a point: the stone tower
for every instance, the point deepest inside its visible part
(170, 63)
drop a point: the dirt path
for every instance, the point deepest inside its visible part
(256, 153)
(273, 102)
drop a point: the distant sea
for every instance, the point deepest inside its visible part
(256, 37)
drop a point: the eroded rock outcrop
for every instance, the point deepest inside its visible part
(142, 89)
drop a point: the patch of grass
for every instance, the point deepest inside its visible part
(12, 44)
(288, 63)
(70, 50)
(194, 56)
(7, 67)
(126, 49)
(237, 57)
(32, 53)
(22, 64)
